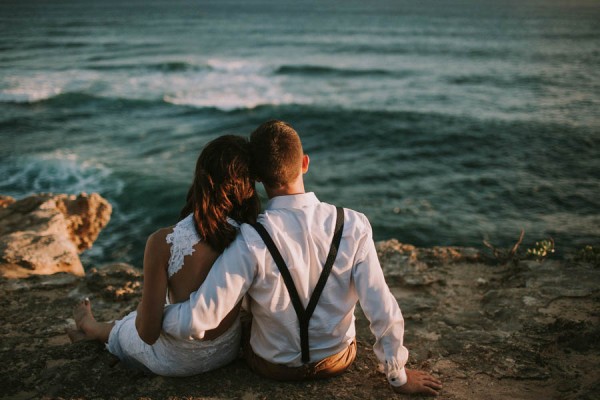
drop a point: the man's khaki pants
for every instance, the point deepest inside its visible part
(326, 368)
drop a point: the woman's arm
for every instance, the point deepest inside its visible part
(150, 310)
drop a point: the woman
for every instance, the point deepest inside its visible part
(176, 262)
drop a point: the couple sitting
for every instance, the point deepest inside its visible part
(301, 266)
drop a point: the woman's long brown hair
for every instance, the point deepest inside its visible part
(223, 187)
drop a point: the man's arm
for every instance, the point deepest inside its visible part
(386, 321)
(226, 283)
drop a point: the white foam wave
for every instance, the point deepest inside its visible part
(25, 95)
(240, 67)
(225, 84)
(37, 86)
(232, 98)
(56, 172)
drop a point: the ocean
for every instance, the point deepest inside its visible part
(445, 122)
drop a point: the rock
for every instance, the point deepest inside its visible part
(115, 281)
(6, 201)
(505, 323)
(400, 262)
(414, 266)
(436, 255)
(43, 234)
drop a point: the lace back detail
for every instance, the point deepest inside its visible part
(182, 241)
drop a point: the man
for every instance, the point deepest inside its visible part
(304, 267)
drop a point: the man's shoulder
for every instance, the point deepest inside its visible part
(355, 215)
(358, 223)
(349, 214)
(354, 220)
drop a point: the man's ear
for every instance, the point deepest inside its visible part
(305, 162)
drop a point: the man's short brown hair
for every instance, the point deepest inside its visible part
(276, 152)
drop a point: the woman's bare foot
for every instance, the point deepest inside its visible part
(84, 319)
(75, 335)
(87, 326)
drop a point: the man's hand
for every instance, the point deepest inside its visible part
(419, 382)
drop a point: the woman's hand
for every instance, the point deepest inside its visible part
(419, 382)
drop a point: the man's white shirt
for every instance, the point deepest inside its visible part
(302, 228)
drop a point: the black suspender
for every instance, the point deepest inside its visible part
(305, 314)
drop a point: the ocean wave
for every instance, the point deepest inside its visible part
(238, 66)
(503, 82)
(223, 84)
(232, 103)
(30, 96)
(242, 67)
(215, 83)
(56, 44)
(421, 49)
(228, 85)
(326, 71)
(74, 99)
(233, 66)
(56, 172)
(37, 87)
(220, 104)
(165, 66)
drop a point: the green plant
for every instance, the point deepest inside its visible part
(589, 254)
(542, 249)
(539, 252)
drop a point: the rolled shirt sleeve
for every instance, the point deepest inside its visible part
(382, 311)
(228, 280)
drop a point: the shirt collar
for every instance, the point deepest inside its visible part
(292, 201)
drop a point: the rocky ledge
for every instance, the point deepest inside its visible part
(526, 330)
(44, 234)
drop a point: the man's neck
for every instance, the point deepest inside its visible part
(296, 187)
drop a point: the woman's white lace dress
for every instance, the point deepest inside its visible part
(170, 356)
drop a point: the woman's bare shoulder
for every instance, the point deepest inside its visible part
(161, 234)
(157, 243)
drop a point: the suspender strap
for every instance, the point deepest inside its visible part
(305, 314)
